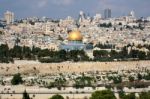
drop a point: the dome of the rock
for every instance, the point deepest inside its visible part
(75, 36)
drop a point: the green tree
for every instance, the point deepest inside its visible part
(62, 54)
(73, 55)
(44, 53)
(16, 52)
(121, 94)
(17, 79)
(81, 82)
(117, 79)
(109, 25)
(17, 41)
(4, 50)
(25, 95)
(26, 52)
(131, 78)
(134, 53)
(147, 76)
(120, 23)
(57, 97)
(129, 96)
(139, 76)
(100, 54)
(4, 53)
(104, 94)
(35, 50)
(145, 95)
(114, 54)
(105, 25)
(141, 55)
(124, 52)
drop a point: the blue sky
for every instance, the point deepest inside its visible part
(63, 8)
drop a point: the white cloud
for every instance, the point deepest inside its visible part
(62, 2)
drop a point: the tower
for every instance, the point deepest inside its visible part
(107, 13)
(132, 14)
(9, 17)
(82, 16)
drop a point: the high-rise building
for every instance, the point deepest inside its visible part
(132, 14)
(148, 18)
(9, 17)
(82, 16)
(107, 13)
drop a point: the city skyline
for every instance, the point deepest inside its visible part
(63, 8)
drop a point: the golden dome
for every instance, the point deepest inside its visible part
(75, 36)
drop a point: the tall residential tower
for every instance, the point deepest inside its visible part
(107, 13)
(9, 17)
